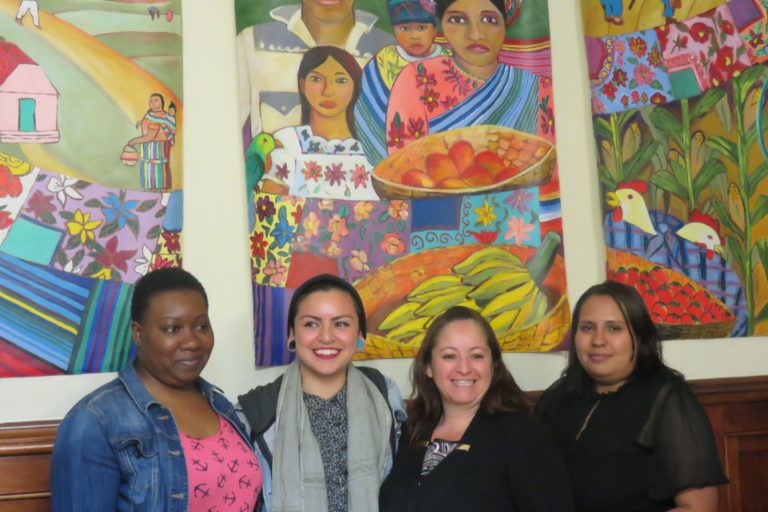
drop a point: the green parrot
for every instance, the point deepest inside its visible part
(257, 159)
(257, 162)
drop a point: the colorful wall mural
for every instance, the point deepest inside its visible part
(678, 95)
(90, 175)
(412, 155)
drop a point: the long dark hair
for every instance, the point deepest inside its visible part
(315, 57)
(645, 336)
(426, 407)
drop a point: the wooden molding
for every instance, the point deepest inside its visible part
(28, 437)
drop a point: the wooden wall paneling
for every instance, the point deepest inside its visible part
(25, 460)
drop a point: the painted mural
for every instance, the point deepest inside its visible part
(678, 97)
(408, 154)
(90, 175)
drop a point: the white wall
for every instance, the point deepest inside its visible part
(215, 248)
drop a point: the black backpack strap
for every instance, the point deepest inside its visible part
(259, 407)
(380, 382)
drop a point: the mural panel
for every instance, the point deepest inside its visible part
(90, 175)
(407, 146)
(678, 103)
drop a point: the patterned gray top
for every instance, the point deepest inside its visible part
(328, 418)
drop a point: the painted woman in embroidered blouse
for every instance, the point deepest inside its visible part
(470, 88)
(322, 157)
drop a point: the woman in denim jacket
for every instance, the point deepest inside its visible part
(328, 428)
(158, 437)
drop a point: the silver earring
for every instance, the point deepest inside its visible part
(292, 346)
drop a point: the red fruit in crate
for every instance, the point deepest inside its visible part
(695, 309)
(633, 276)
(441, 167)
(686, 318)
(658, 276)
(659, 310)
(665, 295)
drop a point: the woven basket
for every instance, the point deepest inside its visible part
(535, 171)
(385, 289)
(618, 259)
(129, 156)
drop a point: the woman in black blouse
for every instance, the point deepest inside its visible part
(469, 443)
(633, 435)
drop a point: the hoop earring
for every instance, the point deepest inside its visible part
(360, 343)
(292, 346)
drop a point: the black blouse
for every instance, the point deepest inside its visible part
(633, 450)
(504, 462)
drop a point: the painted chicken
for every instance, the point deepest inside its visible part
(629, 205)
(704, 231)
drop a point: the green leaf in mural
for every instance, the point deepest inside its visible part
(73, 242)
(667, 123)
(755, 177)
(725, 219)
(711, 169)
(133, 225)
(606, 178)
(624, 118)
(762, 315)
(108, 229)
(47, 218)
(678, 171)
(747, 79)
(666, 180)
(723, 146)
(736, 250)
(93, 203)
(602, 128)
(66, 215)
(760, 210)
(707, 102)
(154, 233)
(146, 205)
(92, 268)
(635, 164)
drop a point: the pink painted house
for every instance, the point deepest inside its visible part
(29, 102)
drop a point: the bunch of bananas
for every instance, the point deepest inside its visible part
(492, 281)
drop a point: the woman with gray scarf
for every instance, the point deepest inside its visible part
(327, 428)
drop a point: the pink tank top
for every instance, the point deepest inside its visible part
(222, 470)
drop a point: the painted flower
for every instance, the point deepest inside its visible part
(264, 207)
(312, 171)
(311, 225)
(297, 214)
(172, 240)
(360, 177)
(362, 210)
(258, 246)
(484, 237)
(598, 107)
(756, 39)
(416, 128)
(547, 119)
(643, 74)
(727, 27)
(143, 263)
(430, 99)
(724, 59)
(398, 209)
(518, 230)
(70, 267)
(105, 273)
(118, 211)
(283, 232)
(655, 58)
(635, 96)
(681, 42)
(338, 227)
(657, 98)
(449, 102)
(63, 187)
(40, 204)
(392, 244)
(277, 272)
(300, 243)
(332, 250)
(396, 133)
(485, 215)
(700, 32)
(638, 46)
(620, 77)
(424, 79)
(334, 174)
(82, 225)
(10, 184)
(162, 262)
(625, 100)
(519, 200)
(609, 90)
(281, 171)
(359, 261)
(5, 220)
(112, 257)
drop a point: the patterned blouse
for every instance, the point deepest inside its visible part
(436, 452)
(328, 418)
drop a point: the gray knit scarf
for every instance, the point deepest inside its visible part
(298, 479)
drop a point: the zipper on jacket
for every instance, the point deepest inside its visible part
(586, 420)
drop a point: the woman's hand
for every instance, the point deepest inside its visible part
(696, 500)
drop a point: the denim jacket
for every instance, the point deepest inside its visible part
(119, 449)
